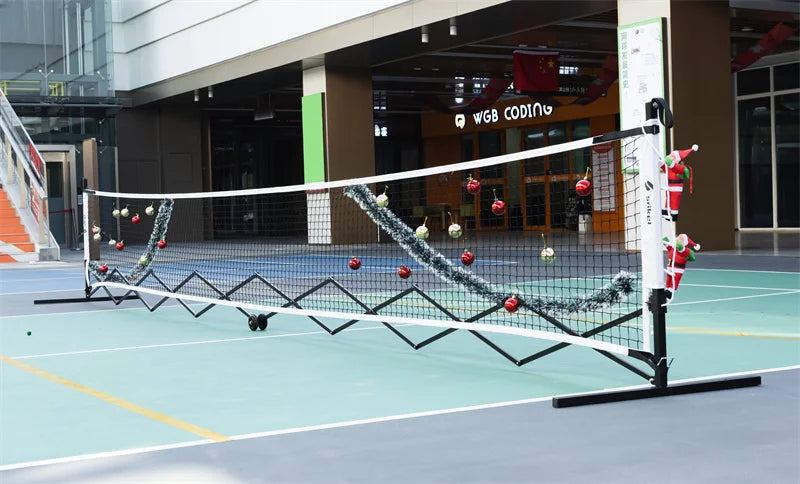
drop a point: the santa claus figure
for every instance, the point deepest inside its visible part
(681, 252)
(676, 172)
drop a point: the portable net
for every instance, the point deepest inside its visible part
(571, 264)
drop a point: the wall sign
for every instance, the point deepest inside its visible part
(509, 113)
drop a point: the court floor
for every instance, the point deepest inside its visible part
(98, 380)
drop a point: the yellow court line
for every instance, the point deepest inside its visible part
(205, 433)
(735, 333)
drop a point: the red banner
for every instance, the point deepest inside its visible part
(490, 94)
(767, 44)
(535, 71)
(609, 74)
(35, 160)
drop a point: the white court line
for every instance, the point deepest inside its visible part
(745, 287)
(41, 279)
(79, 289)
(189, 343)
(733, 298)
(741, 270)
(352, 423)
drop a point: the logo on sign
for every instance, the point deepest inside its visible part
(461, 120)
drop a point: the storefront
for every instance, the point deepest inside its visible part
(539, 192)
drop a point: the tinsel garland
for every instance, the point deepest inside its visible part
(160, 226)
(614, 292)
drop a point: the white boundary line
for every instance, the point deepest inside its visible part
(738, 297)
(188, 343)
(489, 328)
(741, 270)
(352, 423)
(746, 287)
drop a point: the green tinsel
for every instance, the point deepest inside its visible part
(160, 226)
(614, 292)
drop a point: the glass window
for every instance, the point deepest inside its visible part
(787, 159)
(534, 138)
(558, 163)
(581, 157)
(466, 147)
(489, 144)
(787, 76)
(751, 82)
(55, 180)
(755, 163)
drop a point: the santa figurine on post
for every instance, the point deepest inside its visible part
(676, 172)
(681, 252)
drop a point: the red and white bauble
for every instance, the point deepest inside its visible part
(511, 304)
(467, 258)
(473, 186)
(583, 187)
(95, 229)
(161, 243)
(499, 206)
(354, 263)
(103, 269)
(120, 245)
(136, 219)
(404, 272)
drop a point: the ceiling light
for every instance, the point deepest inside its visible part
(459, 100)
(453, 27)
(211, 92)
(747, 29)
(418, 68)
(424, 38)
(522, 45)
(435, 69)
(196, 95)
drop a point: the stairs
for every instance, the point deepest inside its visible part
(15, 244)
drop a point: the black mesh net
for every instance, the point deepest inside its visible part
(511, 244)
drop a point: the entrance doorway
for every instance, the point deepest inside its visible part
(62, 197)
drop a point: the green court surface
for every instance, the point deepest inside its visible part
(127, 378)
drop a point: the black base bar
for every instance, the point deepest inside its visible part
(69, 300)
(680, 389)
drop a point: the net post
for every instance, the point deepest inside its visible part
(85, 201)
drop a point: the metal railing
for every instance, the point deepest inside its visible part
(24, 178)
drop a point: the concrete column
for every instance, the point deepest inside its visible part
(338, 143)
(699, 91)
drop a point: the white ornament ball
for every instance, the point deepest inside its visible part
(143, 259)
(382, 200)
(112, 242)
(454, 230)
(97, 236)
(124, 212)
(115, 213)
(422, 232)
(695, 147)
(548, 255)
(149, 210)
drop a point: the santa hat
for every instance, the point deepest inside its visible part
(686, 241)
(680, 155)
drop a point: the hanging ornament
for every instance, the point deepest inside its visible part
(473, 185)
(150, 210)
(467, 258)
(161, 244)
(422, 231)
(499, 206)
(103, 269)
(511, 304)
(120, 245)
(115, 213)
(124, 212)
(383, 200)
(143, 259)
(584, 186)
(404, 272)
(97, 236)
(548, 254)
(454, 230)
(112, 242)
(136, 219)
(354, 263)
(95, 229)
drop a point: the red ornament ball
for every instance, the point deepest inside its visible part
(136, 219)
(404, 272)
(511, 304)
(103, 269)
(583, 187)
(498, 207)
(161, 244)
(354, 263)
(120, 245)
(467, 258)
(473, 186)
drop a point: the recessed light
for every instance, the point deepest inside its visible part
(747, 29)
(435, 69)
(522, 45)
(418, 68)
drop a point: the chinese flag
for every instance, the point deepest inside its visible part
(535, 71)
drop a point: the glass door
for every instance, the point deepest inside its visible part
(535, 210)
(787, 158)
(492, 178)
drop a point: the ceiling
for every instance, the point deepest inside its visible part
(410, 76)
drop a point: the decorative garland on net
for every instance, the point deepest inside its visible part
(160, 226)
(614, 292)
